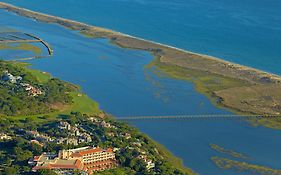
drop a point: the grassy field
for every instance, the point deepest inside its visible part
(81, 102)
(204, 83)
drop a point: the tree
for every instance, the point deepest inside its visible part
(22, 155)
(46, 172)
(11, 170)
(36, 149)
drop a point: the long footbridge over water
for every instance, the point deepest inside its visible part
(20, 37)
(200, 117)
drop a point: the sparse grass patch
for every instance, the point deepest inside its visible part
(205, 83)
(22, 46)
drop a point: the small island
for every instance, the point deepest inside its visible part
(228, 164)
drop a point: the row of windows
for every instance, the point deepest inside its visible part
(95, 160)
(98, 155)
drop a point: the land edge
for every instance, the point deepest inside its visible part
(263, 73)
(75, 25)
(271, 75)
(169, 156)
(168, 55)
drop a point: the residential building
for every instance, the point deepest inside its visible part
(85, 159)
(93, 159)
(4, 136)
(50, 161)
(9, 77)
(149, 162)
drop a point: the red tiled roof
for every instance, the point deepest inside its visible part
(89, 151)
(36, 158)
(76, 155)
(77, 165)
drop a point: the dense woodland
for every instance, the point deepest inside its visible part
(14, 100)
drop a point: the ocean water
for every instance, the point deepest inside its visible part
(117, 79)
(247, 32)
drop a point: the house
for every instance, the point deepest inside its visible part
(9, 77)
(93, 159)
(64, 125)
(32, 133)
(85, 159)
(36, 142)
(127, 136)
(72, 141)
(32, 91)
(149, 163)
(52, 162)
(105, 124)
(4, 136)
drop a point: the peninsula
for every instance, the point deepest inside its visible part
(239, 88)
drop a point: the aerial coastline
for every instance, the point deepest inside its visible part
(132, 42)
(177, 79)
(72, 108)
(216, 78)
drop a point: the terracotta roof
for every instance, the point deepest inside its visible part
(76, 155)
(36, 158)
(90, 151)
(76, 165)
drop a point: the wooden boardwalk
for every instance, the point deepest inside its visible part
(19, 37)
(197, 117)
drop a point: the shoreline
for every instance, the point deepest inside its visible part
(80, 100)
(235, 87)
(110, 34)
(177, 162)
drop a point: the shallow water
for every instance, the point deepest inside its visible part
(117, 79)
(243, 31)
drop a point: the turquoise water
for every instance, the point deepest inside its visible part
(243, 31)
(116, 78)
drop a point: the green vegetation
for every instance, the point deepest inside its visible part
(119, 171)
(68, 103)
(45, 98)
(22, 46)
(244, 167)
(58, 98)
(228, 152)
(135, 145)
(169, 157)
(130, 143)
(213, 77)
(205, 83)
(239, 96)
